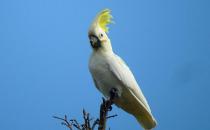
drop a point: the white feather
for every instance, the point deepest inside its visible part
(110, 71)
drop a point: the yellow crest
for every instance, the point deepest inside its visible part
(104, 18)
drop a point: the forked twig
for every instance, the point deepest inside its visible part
(88, 124)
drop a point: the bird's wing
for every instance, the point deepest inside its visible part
(122, 72)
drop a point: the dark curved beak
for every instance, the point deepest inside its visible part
(94, 41)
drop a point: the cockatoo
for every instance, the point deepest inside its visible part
(109, 72)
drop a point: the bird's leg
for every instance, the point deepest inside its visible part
(113, 93)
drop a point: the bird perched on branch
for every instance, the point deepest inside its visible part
(110, 72)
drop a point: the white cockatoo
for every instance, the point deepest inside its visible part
(110, 71)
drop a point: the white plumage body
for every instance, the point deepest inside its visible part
(109, 71)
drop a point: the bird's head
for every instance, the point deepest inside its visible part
(98, 30)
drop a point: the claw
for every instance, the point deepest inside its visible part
(110, 108)
(113, 93)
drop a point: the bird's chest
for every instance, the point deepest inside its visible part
(102, 75)
(100, 69)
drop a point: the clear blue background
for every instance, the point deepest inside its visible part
(44, 52)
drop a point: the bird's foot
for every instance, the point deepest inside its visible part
(113, 93)
(110, 108)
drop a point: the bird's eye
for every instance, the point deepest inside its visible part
(102, 35)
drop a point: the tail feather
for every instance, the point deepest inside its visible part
(146, 121)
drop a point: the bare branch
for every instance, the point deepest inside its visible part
(105, 107)
(65, 122)
(111, 116)
(96, 122)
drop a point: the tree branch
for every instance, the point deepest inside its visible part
(105, 107)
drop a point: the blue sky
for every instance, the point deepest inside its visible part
(44, 52)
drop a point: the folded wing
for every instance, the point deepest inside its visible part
(121, 71)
